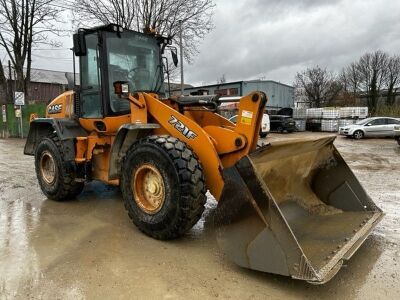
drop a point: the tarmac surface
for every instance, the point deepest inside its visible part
(88, 247)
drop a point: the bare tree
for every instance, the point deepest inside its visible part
(164, 16)
(393, 79)
(318, 86)
(24, 24)
(372, 72)
(120, 12)
(3, 85)
(350, 79)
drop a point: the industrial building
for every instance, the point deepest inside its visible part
(279, 95)
(45, 85)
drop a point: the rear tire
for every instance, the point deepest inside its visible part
(163, 187)
(358, 135)
(56, 179)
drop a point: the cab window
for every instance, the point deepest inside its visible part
(91, 104)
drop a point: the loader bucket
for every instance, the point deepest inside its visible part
(294, 208)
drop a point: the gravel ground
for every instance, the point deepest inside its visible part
(88, 248)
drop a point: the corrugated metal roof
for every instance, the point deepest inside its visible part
(45, 76)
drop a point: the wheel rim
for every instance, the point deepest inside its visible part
(358, 135)
(148, 188)
(47, 167)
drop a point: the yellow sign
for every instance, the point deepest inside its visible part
(246, 117)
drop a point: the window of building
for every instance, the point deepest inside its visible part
(227, 92)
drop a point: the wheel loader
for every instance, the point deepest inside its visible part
(292, 208)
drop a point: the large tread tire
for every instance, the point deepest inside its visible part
(64, 186)
(184, 184)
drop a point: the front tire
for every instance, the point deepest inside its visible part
(56, 178)
(163, 187)
(358, 135)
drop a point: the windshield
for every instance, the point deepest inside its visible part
(134, 58)
(365, 121)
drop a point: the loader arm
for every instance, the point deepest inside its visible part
(233, 142)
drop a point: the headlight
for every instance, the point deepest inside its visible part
(396, 127)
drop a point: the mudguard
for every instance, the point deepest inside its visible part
(125, 137)
(66, 129)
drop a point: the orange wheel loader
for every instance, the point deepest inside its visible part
(292, 208)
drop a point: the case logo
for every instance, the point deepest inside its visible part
(54, 109)
(182, 128)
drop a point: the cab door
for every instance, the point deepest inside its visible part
(90, 93)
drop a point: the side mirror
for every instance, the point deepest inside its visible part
(369, 124)
(174, 55)
(121, 88)
(79, 44)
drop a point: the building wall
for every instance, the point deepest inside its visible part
(41, 92)
(279, 95)
(44, 92)
(231, 89)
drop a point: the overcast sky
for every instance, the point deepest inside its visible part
(274, 39)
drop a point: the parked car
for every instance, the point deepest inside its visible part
(282, 123)
(265, 124)
(397, 135)
(371, 127)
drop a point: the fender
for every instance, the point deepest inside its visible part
(66, 129)
(126, 136)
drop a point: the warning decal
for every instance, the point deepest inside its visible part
(246, 117)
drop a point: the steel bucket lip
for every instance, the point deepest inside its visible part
(327, 270)
(346, 252)
(328, 139)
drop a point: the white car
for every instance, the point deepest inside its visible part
(265, 124)
(397, 135)
(372, 127)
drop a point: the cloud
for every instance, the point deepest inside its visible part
(275, 39)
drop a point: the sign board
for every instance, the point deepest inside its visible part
(19, 98)
(4, 113)
(18, 113)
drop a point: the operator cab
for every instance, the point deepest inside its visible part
(109, 54)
